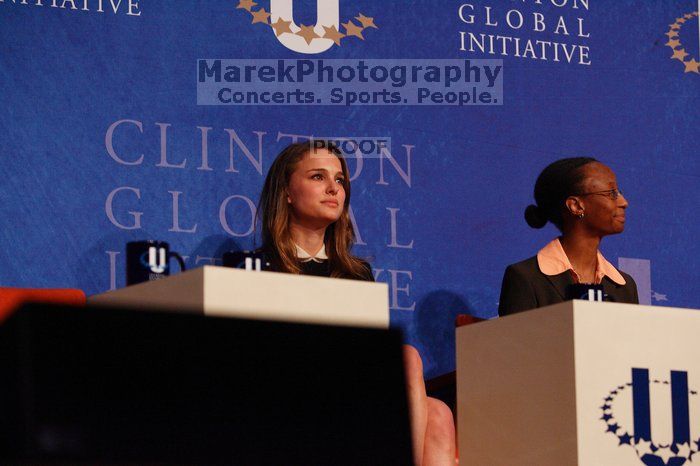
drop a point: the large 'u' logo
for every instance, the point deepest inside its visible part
(157, 260)
(642, 413)
(327, 14)
(682, 447)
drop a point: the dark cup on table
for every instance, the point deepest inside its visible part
(248, 260)
(587, 292)
(149, 260)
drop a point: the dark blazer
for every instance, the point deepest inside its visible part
(323, 269)
(317, 269)
(525, 287)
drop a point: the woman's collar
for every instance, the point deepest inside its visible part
(304, 256)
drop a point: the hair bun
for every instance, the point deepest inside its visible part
(535, 217)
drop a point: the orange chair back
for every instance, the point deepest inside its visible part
(12, 298)
(466, 319)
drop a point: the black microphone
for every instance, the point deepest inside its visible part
(248, 260)
(586, 292)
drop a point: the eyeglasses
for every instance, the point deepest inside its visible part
(611, 193)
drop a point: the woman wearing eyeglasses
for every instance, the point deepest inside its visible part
(581, 198)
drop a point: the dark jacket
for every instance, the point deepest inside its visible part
(525, 287)
(323, 269)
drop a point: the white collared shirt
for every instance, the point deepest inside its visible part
(304, 256)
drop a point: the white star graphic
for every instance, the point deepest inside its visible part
(683, 449)
(664, 453)
(643, 447)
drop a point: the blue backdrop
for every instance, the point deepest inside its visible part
(102, 142)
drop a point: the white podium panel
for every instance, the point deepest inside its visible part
(227, 292)
(581, 383)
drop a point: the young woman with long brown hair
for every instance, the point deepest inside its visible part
(306, 226)
(306, 230)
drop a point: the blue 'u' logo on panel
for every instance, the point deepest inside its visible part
(654, 453)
